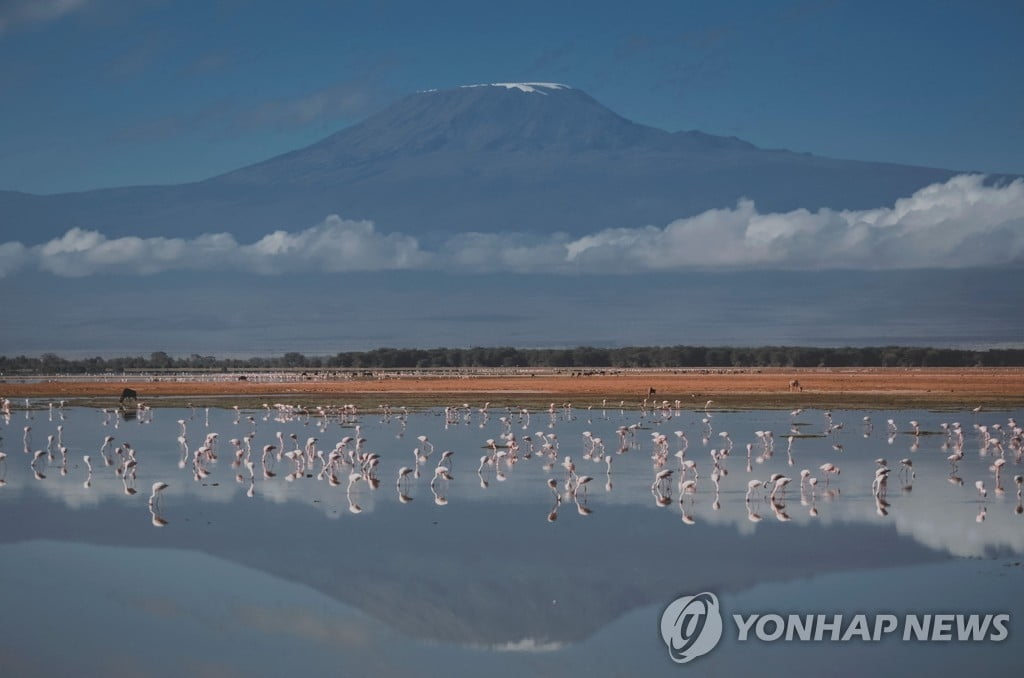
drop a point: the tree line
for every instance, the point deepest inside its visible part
(581, 357)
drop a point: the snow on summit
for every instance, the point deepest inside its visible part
(528, 87)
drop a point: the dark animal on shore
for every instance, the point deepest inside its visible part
(128, 394)
(651, 391)
(794, 385)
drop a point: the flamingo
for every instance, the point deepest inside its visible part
(689, 466)
(403, 473)
(569, 467)
(880, 483)
(997, 468)
(581, 481)
(440, 472)
(752, 487)
(955, 458)
(780, 485)
(829, 469)
(907, 466)
(660, 478)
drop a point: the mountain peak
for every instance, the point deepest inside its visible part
(527, 87)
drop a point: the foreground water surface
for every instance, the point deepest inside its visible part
(254, 564)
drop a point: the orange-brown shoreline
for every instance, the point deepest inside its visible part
(952, 387)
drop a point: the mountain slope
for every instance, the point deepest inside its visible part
(533, 158)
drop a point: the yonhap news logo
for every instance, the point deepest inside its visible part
(692, 626)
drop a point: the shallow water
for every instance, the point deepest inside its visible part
(266, 575)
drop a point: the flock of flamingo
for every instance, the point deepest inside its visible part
(351, 463)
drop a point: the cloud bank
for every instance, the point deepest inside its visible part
(960, 223)
(957, 224)
(332, 246)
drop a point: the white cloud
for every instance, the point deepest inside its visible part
(80, 252)
(333, 246)
(959, 223)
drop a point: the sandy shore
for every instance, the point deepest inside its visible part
(923, 387)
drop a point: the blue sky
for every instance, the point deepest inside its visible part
(106, 93)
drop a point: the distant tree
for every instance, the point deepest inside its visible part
(160, 360)
(293, 359)
(578, 357)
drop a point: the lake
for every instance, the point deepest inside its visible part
(275, 567)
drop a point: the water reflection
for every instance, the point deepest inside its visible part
(555, 535)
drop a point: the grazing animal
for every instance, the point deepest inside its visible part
(128, 394)
(651, 391)
(794, 385)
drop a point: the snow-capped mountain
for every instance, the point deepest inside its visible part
(529, 157)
